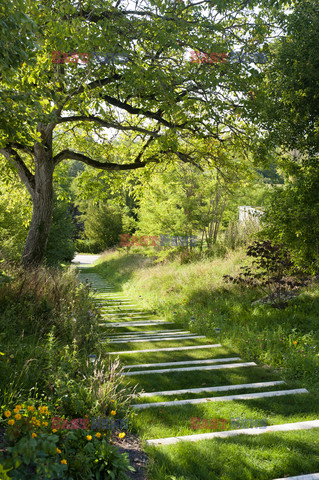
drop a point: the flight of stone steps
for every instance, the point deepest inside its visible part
(121, 315)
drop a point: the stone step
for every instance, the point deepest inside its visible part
(186, 362)
(226, 398)
(145, 335)
(135, 324)
(286, 427)
(121, 317)
(192, 369)
(169, 349)
(310, 476)
(223, 388)
(157, 339)
(126, 314)
(148, 332)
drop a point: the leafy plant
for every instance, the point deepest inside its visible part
(271, 272)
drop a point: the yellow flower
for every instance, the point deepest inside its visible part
(38, 423)
(113, 412)
(7, 413)
(17, 416)
(89, 437)
(112, 400)
(45, 424)
(34, 435)
(42, 409)
(30, 408)
(98, 435)
(64, 461)
(86, 416)
(11, 422)
(1, 353)
(122, 435)
(295, 343)
(54, 430)
(18, 407)
(58, 450)
(33, 419)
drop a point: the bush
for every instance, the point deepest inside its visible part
(103, 225)
(86, 246)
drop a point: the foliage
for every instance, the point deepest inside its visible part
(288, 106)
(292, 216)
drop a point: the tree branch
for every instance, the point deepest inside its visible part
(104, 123)
(24, 173)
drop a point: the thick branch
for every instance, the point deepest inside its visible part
(69, 155)
(138, 111)
(24, 173)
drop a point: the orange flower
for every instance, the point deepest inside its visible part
(113, 412)
(34, 435)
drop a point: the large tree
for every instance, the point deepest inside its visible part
(146, 86)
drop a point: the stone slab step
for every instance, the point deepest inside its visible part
(169, 349)
(145, 336)
(159, 339)
(192, 369)
(148, 333)
(310, 476)
(186, 362)
(223, 388)
(226, 398)
(135, 324)
(286, 427)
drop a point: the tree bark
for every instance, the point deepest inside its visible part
(42, 199)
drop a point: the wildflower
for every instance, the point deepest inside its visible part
(58, 450)
(295, 343)
(113, 412)
(54, 430)
(1, 353)
(30, 408)
(64, 462)
(98, 435)
(17, 409)
(17, 416)
(122, 435)
(112, 400)
(45, 424)
(34, 435)
(7, 413)
(11, 422)
(89, 437)
(38, 423)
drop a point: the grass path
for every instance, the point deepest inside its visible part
(191, 386)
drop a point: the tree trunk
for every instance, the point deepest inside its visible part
(42, 198)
